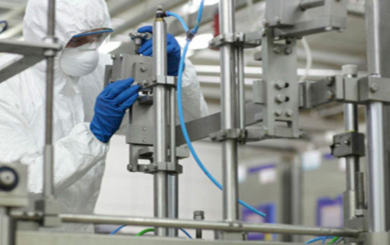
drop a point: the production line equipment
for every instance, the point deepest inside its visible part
(278, 98)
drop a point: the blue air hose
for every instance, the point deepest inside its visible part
(181, 114)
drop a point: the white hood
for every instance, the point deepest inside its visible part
(72, 17)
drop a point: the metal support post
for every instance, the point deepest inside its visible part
(351, 124)
(173, 179)
(161, 120)
(296, 195)
(49, 205)
(241, 86)
(378, 48)
(198, 215)
(48, 188)
(228, 112)
(6, 229)
(173, 201)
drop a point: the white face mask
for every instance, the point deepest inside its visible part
(76, 62)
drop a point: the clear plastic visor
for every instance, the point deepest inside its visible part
(90, 40)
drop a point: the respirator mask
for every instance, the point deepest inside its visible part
(80, 56)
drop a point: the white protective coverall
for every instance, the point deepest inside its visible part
(79, 156)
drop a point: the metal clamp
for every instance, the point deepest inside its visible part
(51, 209)
(145, 97)
(224, 39)
(348, 144)
(345, 90)
(262, 133)
(246, 40)
(50, 41)
(146, 153)
(138, 39)
(235, 133)
(374, 88)
(152, 168)
(158, 80)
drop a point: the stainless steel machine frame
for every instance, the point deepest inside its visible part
(278, 99)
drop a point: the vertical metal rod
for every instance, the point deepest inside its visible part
(377, 53)
(376, 168)
(161, 119)
(5, 227)
(351, 123)
(228, 112)
(173, 201)
(241, 86)
(198, 215)
(296, 195)
(48, 172)
(173, 179)
(360, 191)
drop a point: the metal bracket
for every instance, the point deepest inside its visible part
(145, 96)
(278, 91)
(153, 168)
(51, 209)
(373, 88)
(224, 39)
(262, 133)
(32, 54)
(297, 18)
(13, 185)
(146, 153)
(348, 144)
(235, 133)
(345, 90)
(159, 80)
(247, 40)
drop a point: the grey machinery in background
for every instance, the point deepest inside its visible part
(277, 102)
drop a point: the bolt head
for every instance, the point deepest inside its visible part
(278, 113)
(373, 87)
(288, 50)
(144, 140)
(280, 98)
(277, 50)
(289, 113)
(7, 178)
(329, 95)
(280, 84)
(143, 67)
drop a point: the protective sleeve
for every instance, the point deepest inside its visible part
(75, 154)
(194, 105)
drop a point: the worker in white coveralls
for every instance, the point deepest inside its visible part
(86, 115)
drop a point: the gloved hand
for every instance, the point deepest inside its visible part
(111, 106)
(173, 50)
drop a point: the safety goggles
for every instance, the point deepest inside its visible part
(90, 40)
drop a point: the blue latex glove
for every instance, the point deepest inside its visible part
(173, 50)
(111, 106)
